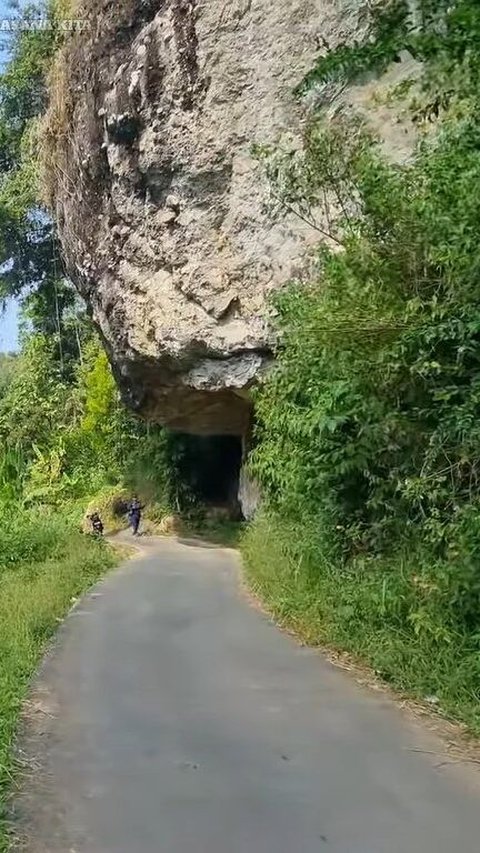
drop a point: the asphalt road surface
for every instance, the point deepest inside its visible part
(173, 717)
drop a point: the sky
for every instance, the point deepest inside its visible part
(9, 328)
(9, 318)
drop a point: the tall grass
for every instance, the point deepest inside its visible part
(395, 614)
(44, 563)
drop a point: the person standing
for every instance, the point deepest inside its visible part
(135, 515)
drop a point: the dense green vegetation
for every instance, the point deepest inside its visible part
(368, 439)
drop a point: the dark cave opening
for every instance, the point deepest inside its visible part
(210, 468)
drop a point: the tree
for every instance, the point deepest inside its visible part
(30, 260)
(8, 363)
(34, 398)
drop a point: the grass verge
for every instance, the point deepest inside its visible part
(225, 534)
(45, 563)
(387, 614)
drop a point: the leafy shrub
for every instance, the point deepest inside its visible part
(32, 535)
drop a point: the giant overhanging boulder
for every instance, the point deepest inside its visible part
(160, 203)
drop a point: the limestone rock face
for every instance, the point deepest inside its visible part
(160, 204)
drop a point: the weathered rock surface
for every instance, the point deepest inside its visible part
(160, 203)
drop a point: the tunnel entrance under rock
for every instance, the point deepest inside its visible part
(209, 466)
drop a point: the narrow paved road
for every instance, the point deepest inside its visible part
(174, 718)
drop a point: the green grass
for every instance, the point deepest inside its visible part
(45, 563)
(387, 614)
(226, 534)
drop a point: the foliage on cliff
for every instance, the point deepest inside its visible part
(368, 437)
